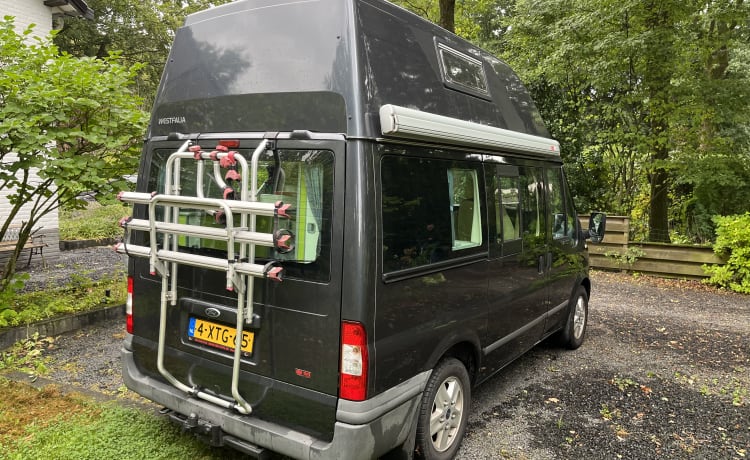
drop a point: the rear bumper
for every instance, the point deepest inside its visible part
(363, 430)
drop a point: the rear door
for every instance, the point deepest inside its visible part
(290, 373)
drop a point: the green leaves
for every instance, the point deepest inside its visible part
(138, 30)
(634, 89)
(74, 122)
(733, 242)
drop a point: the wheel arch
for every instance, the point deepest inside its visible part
(467, 351)
(586, 283)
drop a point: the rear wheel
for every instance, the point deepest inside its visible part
(444, 411)
(575, 329)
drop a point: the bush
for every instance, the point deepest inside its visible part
(732, 242)
(95, 222)
(76, 122)
(79, 294)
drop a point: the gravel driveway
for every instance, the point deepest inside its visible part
(664, 373)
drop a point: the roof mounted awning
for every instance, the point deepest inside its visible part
(405, 123)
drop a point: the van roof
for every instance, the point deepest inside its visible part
(329, 66)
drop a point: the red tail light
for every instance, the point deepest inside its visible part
(353, 375)
(129, 307)
(230, 143)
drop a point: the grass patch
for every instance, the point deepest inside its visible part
(94, 222)
(45, 423)
(80, 294)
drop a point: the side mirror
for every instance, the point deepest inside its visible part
(597, 225)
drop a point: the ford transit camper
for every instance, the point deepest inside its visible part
(345, 218)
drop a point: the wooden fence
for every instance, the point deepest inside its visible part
(667, 260)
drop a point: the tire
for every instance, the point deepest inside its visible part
(444, 411)
(574, 332)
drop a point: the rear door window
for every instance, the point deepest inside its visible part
(305, 181)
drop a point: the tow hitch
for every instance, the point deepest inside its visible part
(212, 434)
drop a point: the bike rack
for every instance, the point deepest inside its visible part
(240, 266)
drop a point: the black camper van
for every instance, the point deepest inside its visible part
(345, 218)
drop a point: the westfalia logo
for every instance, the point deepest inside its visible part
(171, 120)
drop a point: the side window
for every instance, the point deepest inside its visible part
(504, 186)
(466, 219)
(508, 202)
(561, 213)
(572, 215)
(557, 218)
(431, 210)
(532, 202)
(463, 72)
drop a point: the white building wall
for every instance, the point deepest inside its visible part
(28, 12)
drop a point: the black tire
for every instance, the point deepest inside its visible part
(574, 332)
(450, 384)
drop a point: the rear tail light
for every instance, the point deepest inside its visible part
(230, 143)
(129, 307)
(353, 376)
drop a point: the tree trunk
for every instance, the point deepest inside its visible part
(658, 219)
(448, 15)
(660, 22)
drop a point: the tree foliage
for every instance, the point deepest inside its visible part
(471, 19)
(68, 125)
(732, 243)
(646, 91)
(141, 30)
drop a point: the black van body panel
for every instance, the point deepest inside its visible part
(295, 339)
(344, 61)
(312, 76)
(400, 66)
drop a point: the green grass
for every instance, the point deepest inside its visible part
(114, 433)
(94, 222)
(45, 424)
(80, 294)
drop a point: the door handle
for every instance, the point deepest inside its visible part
(540, 265)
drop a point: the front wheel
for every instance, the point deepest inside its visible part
(575, 329)
(444, 411)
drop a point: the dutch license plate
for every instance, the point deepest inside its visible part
(218, 335)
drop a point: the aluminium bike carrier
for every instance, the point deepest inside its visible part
(239, 266)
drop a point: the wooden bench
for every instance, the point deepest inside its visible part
(35, 244)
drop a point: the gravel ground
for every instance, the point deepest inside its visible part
(664, 373)
(92, 263)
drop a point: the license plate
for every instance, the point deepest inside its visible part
(218, 336)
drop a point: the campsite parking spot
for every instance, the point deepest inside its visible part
(664, 372)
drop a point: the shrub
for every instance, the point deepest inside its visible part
(74, 121)
(95, 222)
(79, 294)
(733, 243)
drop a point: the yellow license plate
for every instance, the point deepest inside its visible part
(218, 336)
